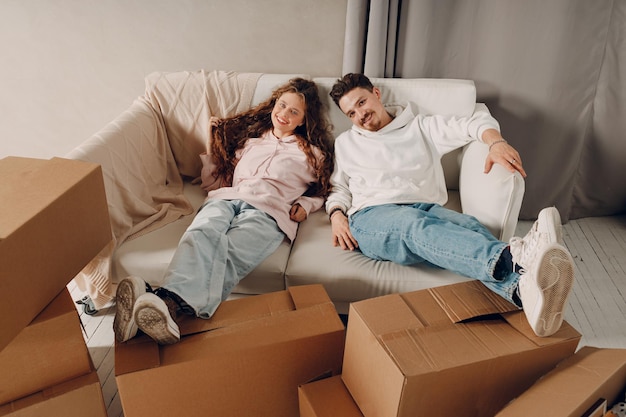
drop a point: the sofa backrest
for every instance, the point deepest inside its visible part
(181, 100)
(267, 83)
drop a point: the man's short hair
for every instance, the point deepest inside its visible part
(348, 83)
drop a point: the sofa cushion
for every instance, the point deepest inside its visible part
(351, 276)
(267, 83)
(148, 256)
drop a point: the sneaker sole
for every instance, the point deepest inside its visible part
(552, 218)
(155, 321)
(555, 278)
(127, 293)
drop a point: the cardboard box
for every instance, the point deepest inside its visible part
(251, 356)
(445, 350)
(48, 351)
(575, 385)
(328, 397)
(81, 396)
(53, 221)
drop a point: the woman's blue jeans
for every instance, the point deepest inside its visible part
(226, 240)
(409, 234)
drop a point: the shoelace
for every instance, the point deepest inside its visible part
(521, 251)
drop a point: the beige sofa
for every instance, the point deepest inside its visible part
(167, 125)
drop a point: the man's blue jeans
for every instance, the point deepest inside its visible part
(409, 234)
(226, 240)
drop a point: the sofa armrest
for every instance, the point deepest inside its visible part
(495, 199)
(141, 179)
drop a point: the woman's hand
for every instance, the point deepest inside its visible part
(212, 123)
(297, 213)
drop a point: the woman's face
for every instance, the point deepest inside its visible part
(287, 114)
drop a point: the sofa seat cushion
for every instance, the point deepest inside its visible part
(148, 256)
(351, 276)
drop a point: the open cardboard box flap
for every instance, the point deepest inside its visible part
(433, 307)
(464, 302)
(472, 302)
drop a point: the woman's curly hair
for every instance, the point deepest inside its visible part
(231, 133)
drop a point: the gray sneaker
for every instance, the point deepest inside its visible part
(153, 317)
(544, 289)
(128, 290)
(547, 230)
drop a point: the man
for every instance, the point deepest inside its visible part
(389, 189)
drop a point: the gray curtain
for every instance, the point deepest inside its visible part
(551, 71)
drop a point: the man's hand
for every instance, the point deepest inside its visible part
(500, 152)
(297, 213)
(341, 232)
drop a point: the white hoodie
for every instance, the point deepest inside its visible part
(400, 163)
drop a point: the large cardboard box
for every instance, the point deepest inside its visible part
(575, 385)
(48, 351)
(53, 221)
(328, 397)
(443, 351)
(248, 359)
(81, 396)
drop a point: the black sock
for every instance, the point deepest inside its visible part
(504, 266)
(183, 307)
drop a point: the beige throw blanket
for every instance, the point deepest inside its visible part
(148, 151)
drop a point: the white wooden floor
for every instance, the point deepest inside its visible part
(597, 306)
(98, 333)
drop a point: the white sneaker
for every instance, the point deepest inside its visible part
(128, 290)
(546, 230)
(544, 288)
(154, 319)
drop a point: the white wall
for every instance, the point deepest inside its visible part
(68, 67)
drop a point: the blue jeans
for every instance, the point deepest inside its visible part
(410, 234)
(226, 240)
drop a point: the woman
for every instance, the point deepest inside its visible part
(272, 166)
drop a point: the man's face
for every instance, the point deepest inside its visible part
(365, 109)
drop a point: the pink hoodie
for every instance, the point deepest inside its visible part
(271, 174)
